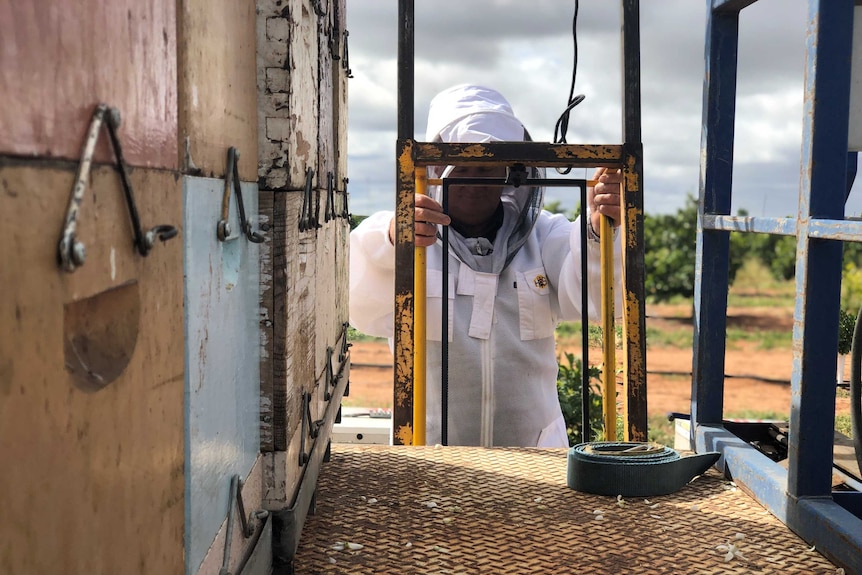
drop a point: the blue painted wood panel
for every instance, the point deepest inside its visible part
(222, 359)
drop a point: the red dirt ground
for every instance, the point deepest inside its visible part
(371, 379)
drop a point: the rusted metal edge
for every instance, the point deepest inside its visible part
(527, 153)
(288, 523)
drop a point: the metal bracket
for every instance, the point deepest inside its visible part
(231, 182)
(313, 428)
(516, 175)
(248, 527)
(345, 345)
(329, 376)
(345, 212)
(72, 252)
(308, 218)
(345, 59)
(329, 211)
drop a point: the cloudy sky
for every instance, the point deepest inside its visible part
(524, 49)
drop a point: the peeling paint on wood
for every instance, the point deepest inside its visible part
(121, 52)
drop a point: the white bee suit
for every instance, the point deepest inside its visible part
(503, 306)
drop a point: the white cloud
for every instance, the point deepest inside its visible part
(524, 49)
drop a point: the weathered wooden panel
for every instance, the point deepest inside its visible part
(287, 72)
(93, 468)
(325, 98)
(340, 75)
(217, 97)
(58, 60)
(222, 288)
(239, 544)
(267, 313)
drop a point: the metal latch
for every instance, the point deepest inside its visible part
(232, 182)
(72, 252)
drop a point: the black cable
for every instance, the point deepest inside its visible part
(562, 126)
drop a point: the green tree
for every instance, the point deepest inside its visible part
(670, 247)
(569, 384)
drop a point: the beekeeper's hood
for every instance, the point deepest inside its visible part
(475, 114)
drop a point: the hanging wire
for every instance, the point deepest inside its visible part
(562, 126)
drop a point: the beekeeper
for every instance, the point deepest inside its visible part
(514, 273)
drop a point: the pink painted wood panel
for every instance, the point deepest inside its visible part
(59, 59)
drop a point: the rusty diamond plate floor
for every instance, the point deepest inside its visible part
(404, 510)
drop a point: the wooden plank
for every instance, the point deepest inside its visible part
(280, 293)
(217, 86)
(287, 71)
(121, 52)
(94, 482)
(222, 396)
(267, 313)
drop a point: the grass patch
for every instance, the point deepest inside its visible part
(572, 330)
(844, 424)
(766, 339)
(679, 338)
(755, 414)
(354, 335)
(755, 286)
(660, 430)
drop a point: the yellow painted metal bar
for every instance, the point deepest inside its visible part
(419, 330)
(402, 400)
(439, 182)
(609, 402)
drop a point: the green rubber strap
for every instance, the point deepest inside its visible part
(632, 469)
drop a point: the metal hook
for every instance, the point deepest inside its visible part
(345, 59)
(72, 252)
(313, 428)
(329, 212)
(345, 212)
(307, 219)
(231, 181)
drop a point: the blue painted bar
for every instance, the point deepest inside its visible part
(844, 230)
(765, 479)
(824, 229)
(713, 247)
(849, 500)
(775, 226)
(818, 269)
(822, 522)
(801, 496)
(831, 529)
(222, 359)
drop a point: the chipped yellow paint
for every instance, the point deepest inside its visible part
(476, 151)
(633, 336)
(403, 435)
(404, 351)
(567, 152)
(404, 210)
(632, 215)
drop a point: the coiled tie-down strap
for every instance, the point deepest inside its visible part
(632, 469)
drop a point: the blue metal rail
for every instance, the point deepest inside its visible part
(800, 495)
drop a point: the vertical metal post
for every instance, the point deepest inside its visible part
(420, 329)
(402, 405)
(609, 373)
(634, 311)
(826, 112)
(713, 246)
